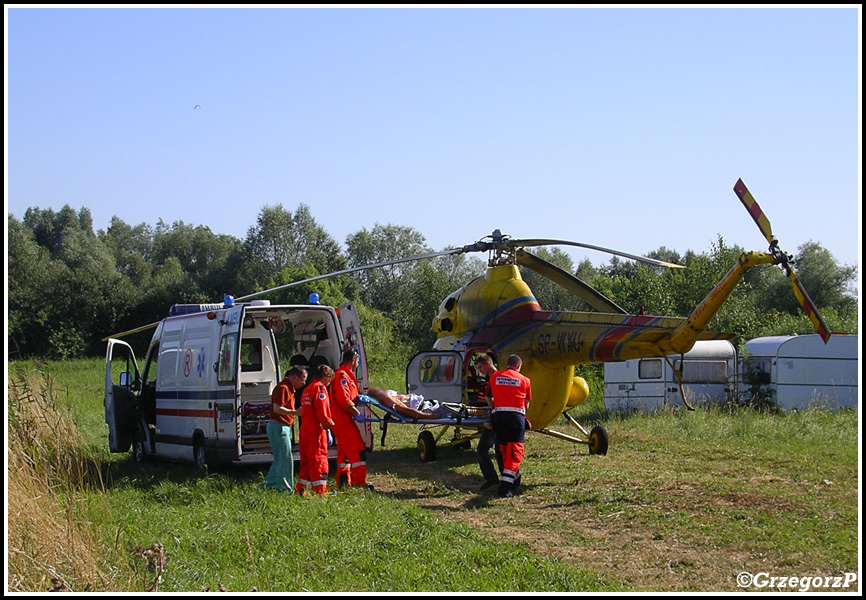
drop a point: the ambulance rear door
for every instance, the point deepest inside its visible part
(228, 397)
(351, 327)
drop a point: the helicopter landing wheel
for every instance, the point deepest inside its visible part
(426, 446)
(598, 440)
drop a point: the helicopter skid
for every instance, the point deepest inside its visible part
(596, 438)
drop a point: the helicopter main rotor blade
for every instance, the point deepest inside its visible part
(385, 263)
(543, 242)
(131, 331)
(576, 286)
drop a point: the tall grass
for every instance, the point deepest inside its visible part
(50, 541)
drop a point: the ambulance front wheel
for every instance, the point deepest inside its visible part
(199, 456)
(426, 446)
(138, 451)
(598, 440)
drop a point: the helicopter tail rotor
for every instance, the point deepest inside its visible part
(783, 259)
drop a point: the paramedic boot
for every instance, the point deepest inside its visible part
(320, 486)
(359, 474)
(344, 476)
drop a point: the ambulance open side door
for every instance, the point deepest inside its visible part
(122, 380)
(436, 375)
(351, 327)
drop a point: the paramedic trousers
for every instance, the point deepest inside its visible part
(351, 467)
(281, 473)
(313, 472)
(509, 428)
(485, 443)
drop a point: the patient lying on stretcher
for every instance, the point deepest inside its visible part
(413, 405)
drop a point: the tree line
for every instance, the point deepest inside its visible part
(70, 286)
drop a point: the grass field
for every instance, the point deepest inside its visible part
(682, 502)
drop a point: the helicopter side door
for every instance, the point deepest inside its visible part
(436, 374)
(121, 396)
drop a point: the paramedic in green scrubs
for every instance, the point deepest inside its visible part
(281, 418)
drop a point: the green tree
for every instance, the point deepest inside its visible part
(82, 296)
(280, 240)
(408, 293)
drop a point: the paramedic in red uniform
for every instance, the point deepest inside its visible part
(315, 419)
(511, 396)
(351, 450)
(281, 416)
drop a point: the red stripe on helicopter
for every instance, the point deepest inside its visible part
(606, 347)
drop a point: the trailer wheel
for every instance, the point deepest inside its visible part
(426, 446)
(598, 440)
(199, 455)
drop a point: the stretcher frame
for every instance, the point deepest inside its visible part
(465, 428)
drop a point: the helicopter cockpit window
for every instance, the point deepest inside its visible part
(438, 369)
(251, 355)
(649, 368)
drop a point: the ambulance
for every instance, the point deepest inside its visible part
(209, 371)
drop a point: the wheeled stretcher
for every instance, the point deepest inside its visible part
(465, 423)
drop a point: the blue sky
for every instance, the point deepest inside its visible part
(623, 128)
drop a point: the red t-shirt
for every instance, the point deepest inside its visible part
(283, 395)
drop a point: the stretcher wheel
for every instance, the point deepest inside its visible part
(598, 440)
(426, 446)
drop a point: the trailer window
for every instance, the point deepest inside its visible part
(704, 371)
(227, 360)
(650, 368)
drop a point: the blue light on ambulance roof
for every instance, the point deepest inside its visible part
(229, 300)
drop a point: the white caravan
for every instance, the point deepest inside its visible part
(649, 384)
(801, 371)
(208, 374)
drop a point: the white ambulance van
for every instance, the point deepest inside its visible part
(801, 371)
(709, 372)
(204, 392)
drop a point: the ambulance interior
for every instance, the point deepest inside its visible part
(272, 341)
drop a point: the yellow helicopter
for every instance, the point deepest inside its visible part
(498, 314)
